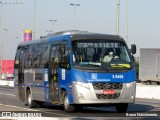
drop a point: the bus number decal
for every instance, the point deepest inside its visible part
(118, 76)
(63, 74)
(45, 75)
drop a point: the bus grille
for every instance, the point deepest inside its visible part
(103, 96)
(106, 86)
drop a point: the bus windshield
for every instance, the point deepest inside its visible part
(98, 54)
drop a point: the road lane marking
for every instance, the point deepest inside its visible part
(19, 107)
(58, 114)
(7, 94)
(39, 110)
(33, 109)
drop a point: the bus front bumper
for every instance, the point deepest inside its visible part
(84, 93)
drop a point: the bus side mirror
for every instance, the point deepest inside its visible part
(62, 49)
(133, 49)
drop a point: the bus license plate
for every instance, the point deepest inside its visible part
(109, 92)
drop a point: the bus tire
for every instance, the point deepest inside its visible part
(79, 108)
(68, 107)
(39, 104)
(122, 107)
(31, 103)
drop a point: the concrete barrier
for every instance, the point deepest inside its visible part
(142, 91)
(148, 91)
(7, 83)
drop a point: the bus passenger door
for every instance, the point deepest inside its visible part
(21, 87)
(53, 74)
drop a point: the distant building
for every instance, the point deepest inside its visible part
(7, 68)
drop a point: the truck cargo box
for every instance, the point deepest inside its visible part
(149, 66)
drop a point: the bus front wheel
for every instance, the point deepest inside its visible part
(31, 103)
(68, 107)
(121, 107)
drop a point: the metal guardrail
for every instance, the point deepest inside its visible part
(142, 91)
(7, 83)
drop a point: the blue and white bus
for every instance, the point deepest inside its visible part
(68, 68)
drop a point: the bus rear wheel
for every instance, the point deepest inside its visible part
(68, 107)
(121, 107)
(31, 103)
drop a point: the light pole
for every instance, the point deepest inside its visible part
(127, 21)
(53, 24)
(74, 5)
(3, 45)
(117, 17)
(1, 25)
(1, 33)
(34, 20)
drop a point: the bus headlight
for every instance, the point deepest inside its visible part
(133, 95)
(85, 85)
(129, 84)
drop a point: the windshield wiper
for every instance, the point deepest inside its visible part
(95, 64)
(91, 63)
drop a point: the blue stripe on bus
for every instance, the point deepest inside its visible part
(90, 77)
(65, 37)
(46, 91)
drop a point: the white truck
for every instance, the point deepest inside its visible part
(149, 66)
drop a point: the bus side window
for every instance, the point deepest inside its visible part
(26, 65)
(36, 57)
(29, 57)
(54, 60)
(44, 56)
(65, 58)
(16, 64)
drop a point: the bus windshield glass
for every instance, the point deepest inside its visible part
(98, 54)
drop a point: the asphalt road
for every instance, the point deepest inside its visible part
(9, 102)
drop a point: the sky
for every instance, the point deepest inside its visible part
(92, 15)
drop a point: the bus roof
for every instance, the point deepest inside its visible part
(95, 36)
(77, 35)
(74, 35)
